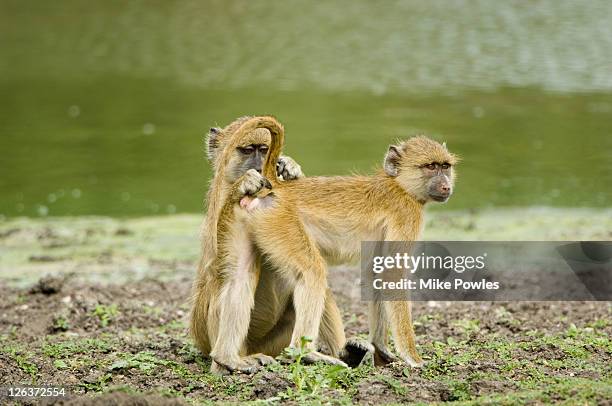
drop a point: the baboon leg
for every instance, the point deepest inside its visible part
(331, 330)
(234, 305)
(305, 270)
(320, 313)
(399, 313)
(400, 318)
(309, 302)
(379, 333)
(331, 334)
(199, 321)
(300, 264)
(279, 337)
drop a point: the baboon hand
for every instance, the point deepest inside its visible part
(288, 169)
(252, 182)
(354, 351)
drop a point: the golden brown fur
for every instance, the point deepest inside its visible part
(227, 268)
(295, 227)
(230, 282)
(329, 217)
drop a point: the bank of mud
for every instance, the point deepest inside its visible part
(110, 324)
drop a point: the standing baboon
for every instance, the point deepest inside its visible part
(329, 217)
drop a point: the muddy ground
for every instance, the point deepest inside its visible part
(110, 324)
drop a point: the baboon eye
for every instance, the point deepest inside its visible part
(263, 149)
(430, 166)
(445, 166)
(246, 150)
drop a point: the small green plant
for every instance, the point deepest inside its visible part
(599, 324)
(394, 384)
(105, 314)
(468, 326)
(59, 364)
(459, 390)
(25, 364)
(297, 370)
(309, 380)
(61, 324)
(98, 385)
(145, 361)
(62, 349)
(22, 358)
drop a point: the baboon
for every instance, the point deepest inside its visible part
(230, 268)
(328, 217)
(216, 285)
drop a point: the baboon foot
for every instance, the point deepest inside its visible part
(261, 359)
(354, 351)
(382, 356)
(248, 365)
(315, 356)
(414, 360)
(218, 369)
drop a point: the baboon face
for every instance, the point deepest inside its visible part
(423, 167)
(439, 184)
(249, 155)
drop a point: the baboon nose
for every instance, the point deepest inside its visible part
(444, 188)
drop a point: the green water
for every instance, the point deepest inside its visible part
(104, 106)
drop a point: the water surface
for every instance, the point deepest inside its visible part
(104, 106)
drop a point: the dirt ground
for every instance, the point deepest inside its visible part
(110, 325)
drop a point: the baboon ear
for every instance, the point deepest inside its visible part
(392, 161)
(212, 142)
